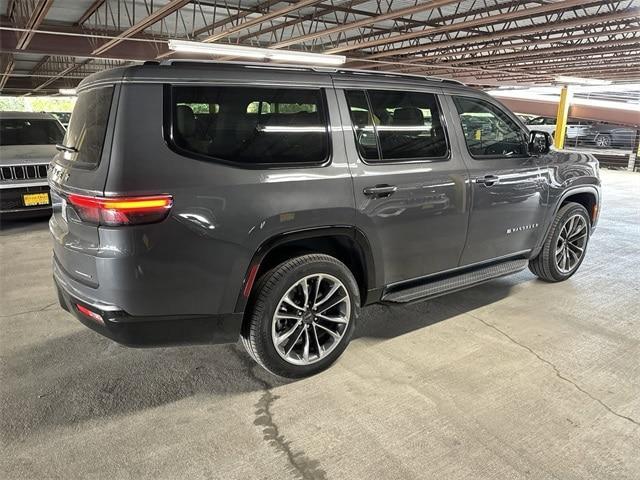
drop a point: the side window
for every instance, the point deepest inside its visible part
(362, 121)
(488, 131)
(408, 125)
(250, 125)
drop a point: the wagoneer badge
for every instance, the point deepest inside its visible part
(522, 228)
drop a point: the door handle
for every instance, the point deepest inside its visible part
(488, 180)
(380, 191)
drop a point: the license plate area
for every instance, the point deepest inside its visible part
(36, 199)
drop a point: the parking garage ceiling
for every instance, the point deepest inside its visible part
(51, 44)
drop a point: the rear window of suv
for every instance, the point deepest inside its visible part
(88, 127)
(250, 125)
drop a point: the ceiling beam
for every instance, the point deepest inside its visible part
(262, 18)
(477, 22)
(305, 18)
(38, 14)
(9, 65)
(90, 11)
(525, 47)
(551, 51)
(599, 20)
(421, 7)
(143, 24)
(436, 22)
(237, 16)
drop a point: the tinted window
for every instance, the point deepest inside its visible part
(88, 127)
(30, 132)
(407, 125)
(250, 125)
(362, 121)
(489, 131)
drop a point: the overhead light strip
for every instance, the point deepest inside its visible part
(255, 53)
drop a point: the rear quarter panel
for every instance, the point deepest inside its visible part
(195, 261)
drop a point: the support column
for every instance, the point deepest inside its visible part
(566, 96)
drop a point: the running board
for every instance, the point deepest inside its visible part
(456, 282)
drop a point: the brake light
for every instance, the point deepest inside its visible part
(117, 211)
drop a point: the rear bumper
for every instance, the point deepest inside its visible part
(136, 331)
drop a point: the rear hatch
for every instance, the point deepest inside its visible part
(80, 167)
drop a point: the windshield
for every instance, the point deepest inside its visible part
(15, 131)
(87, 127)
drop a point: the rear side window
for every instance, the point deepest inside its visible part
(15, 131)
(406, 125)
(88, 127)
(488, 131)
(251, 125)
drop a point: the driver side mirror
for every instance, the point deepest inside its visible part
(539, 142)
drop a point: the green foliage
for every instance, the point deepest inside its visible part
(37, 104)
(8, 104)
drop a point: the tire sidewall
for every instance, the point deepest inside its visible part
(264, 342)
(565, 214)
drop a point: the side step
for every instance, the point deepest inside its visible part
(456, 282)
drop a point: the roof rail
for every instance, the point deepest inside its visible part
(398, 74)
(309, 68)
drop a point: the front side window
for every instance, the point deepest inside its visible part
(15, 131)
(251, 125)
(402, 125)
(488, 131)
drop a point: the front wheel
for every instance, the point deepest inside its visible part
(303, 316)
(565, 246)
(603, 141)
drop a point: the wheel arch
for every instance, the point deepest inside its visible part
(346, 243)
(586, 195)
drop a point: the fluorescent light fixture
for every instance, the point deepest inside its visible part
(581, 81)
(255, 53)
(67, 91)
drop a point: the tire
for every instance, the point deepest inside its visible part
(301, 333)
(550, 265)
(603, 141)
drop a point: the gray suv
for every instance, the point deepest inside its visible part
(199, 202)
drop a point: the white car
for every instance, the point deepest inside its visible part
(548, 124)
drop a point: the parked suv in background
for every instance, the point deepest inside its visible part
(27, 145)
(196, 202)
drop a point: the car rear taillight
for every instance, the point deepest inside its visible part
(118, 211)
(90, 314)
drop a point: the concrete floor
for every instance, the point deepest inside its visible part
(513, 379)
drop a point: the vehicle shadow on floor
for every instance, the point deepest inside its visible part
(67, 380)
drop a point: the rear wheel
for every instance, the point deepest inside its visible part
(303, 316)
(565, 246)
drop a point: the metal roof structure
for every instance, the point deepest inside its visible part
(50, 44)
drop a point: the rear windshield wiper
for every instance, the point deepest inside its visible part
(64, 148)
